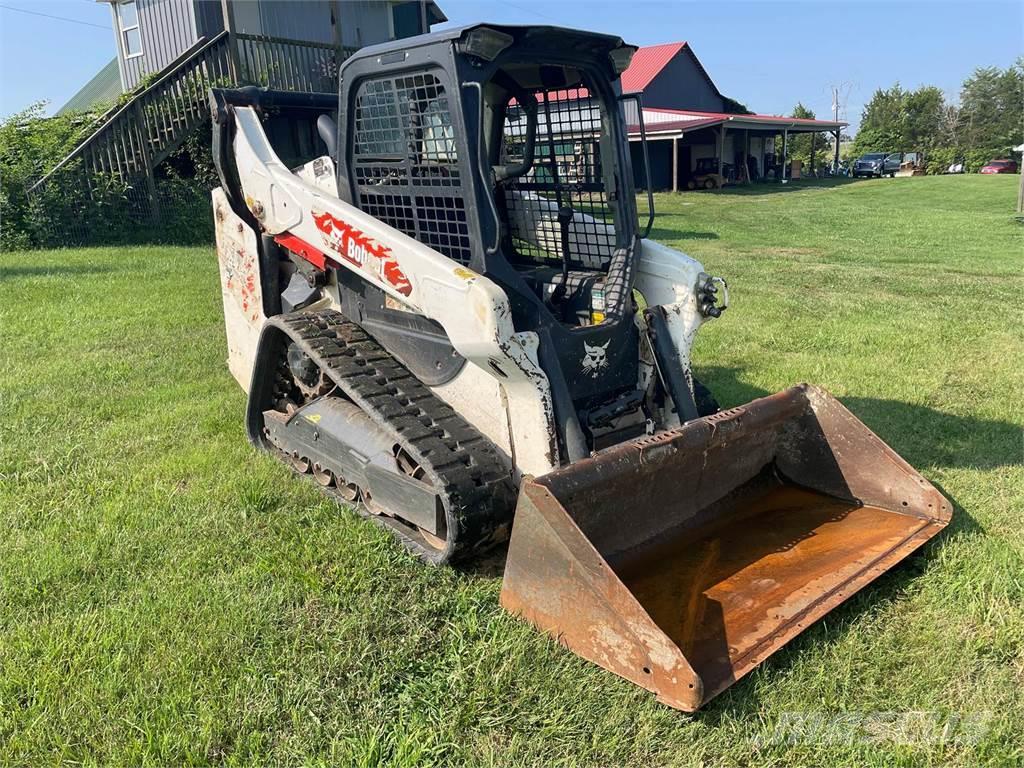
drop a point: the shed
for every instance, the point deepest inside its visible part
(687, 125)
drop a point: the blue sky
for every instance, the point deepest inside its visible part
(768, 55)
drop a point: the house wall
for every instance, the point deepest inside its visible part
(681, 85)
(209, 17)
(168, 28)
(365, 23)
(292, 19)
(362, 22)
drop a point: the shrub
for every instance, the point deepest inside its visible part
(79, 208)
(939, 160)
(31, 143)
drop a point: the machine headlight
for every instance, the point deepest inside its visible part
(708, 300)
(621, 57)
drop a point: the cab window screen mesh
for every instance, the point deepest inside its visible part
(405, 162)
(531, 201)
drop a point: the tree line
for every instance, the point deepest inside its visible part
(986, 124)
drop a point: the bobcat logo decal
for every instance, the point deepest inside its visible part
(361, 251)
(595, 358)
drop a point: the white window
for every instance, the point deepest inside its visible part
(128, 18)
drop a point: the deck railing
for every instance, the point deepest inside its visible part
(143, 132)
(289, 65)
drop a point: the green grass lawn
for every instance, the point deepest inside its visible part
(169, 596)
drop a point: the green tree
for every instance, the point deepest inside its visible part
(986, 124)
(923, 115)
(881, 124)
(897, 120)
(800, 143)
(991, 105)
(30, 144)
(733, 107)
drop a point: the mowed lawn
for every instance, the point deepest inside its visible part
(168, 596)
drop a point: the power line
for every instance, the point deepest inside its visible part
(530, 10)
(58, 18)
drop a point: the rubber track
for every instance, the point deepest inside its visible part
(463, 465)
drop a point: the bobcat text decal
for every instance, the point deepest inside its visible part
(362, 251)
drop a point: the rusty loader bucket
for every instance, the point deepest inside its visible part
(683, 560)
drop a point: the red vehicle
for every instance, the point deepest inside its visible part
(1000, 166)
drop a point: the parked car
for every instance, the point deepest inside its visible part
(877, 164)
(1000, 166)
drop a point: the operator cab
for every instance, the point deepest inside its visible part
(556, 184)
(505, 149)
(520, 173)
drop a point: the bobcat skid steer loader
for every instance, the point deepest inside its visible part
(445, 312)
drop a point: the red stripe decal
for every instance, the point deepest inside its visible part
(301, 248)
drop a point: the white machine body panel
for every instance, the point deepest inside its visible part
(503, 391)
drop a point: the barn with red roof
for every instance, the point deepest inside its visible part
(696, 137)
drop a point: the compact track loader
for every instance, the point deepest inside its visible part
(445, 311)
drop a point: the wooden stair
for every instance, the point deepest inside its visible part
(129, 142)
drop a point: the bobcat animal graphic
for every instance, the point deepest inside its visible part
(595, 358)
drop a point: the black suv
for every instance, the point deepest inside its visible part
(878, 164)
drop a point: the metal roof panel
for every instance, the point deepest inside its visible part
(646, 64)
(102, 89)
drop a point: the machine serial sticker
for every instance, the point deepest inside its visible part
(361, 251)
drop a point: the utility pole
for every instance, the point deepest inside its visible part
(835, 117)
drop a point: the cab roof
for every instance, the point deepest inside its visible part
(560, 37)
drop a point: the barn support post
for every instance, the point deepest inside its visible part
(785, 152)
(721, 150)
(675, 164)
(835, 166)
(814, 140)
(746, 154)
